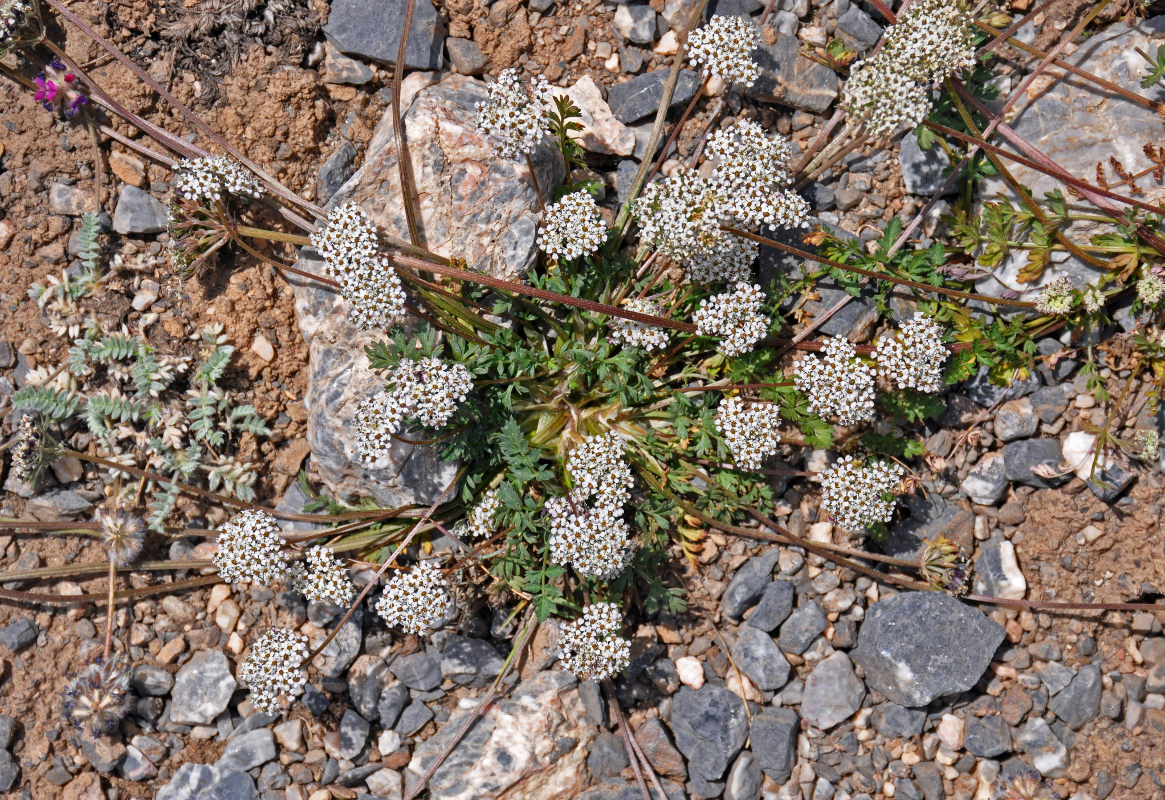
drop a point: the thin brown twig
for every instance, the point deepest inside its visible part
(408, 183)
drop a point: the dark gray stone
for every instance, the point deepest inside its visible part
(760, 659)
(898, 722)
(353, 734)
(802, 628)
(366, 680)
(701, 789)
(624, 177)
(985, 393)
(252, 749)
(986, 483)
(607, 756)
(139, 213)
(930, 780)
(1015, 419)
(1045, 752)
(9, 771)
(1079, 702)
(858, 27)
(922, 170)
(420, 670)
(635, 22)
(343, 649)
(987, 737)
(774, 742)
(639, 98)
(470, 662)
(788, 78)
(733, 8)
(152, 681)
(710, 726)
(413, 718)
(316, 701)
(202, 689)
(1049, 403)
(749, 583)
(1109, 483)
(19, 634)
(997, 573)
(207, 782)
(744, 779)
(335, 172)
(919, 646)
(466, 56)
(776, 603)
(929, 517)
(833, 692)
(8, 729)
(392, 702)
(341, 70)
(371, 29)
(1023, 457)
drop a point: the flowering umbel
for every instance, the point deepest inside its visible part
(250, 549)
(212, 179)
(735, 317)
(728, 261)
(322, 578)
(97, 698)
(480, 522)
(591, 647)
(724, 48)
(274, 668)
(751, 178)
(572, 227)
(860, 494)
(515, 117)
(630, 333)
(679, 215)
(749, 430)
(837, 384)
(913, 358)
(1058, 297)
(416, 600)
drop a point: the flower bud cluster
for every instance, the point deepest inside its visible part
(250, 549)
(274, 668)
(1093, 299)
(480, 523)
(323, 578)
(837, 384)
(629, 333)
(591, 646)
(27, 458)
(572, 227)
(367, 279)
(587, 529)
(426, 389)
(1150, 289)
(210, 179)
(913, 358)
(516, 117)
(1058, 297)
(750, 178)
(724, 48)
(749, 430)
(859, 494)
(416, 601)
(735, 317)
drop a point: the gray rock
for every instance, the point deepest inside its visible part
(639, 98)
(353, 734)
(760, 659)
(1056, 677)
(1079, 702)
(776, 603)
(251, 749)
(343, 649)
(799, 630)
(335, 172)
(61, 504)
(18, 635)
(152, 681)
(487, 214)
(1016, 419)
(104, 752)
(832, 692)
(710, 726)
(70, 200)
(371, 29)
(922, 170)
(315, 701)
(919, 646)
(207, 782)
(9, 771)
(898, 722)
(139, 213)
(997, 573)
(420, 670)
(366, 680)
(986, 483)
(413, 718)
(861, 29)
(1045, 752)
(1021, 460)
(987, 737)
(8, 728)
(635, 22)
(202, 689)
(790, 79)
(607, 757)
(466, 56)
(1049, 402)
(470, 662)
(134, 767)
(930, 516)
(749, 583)
(985, 393)
(1110, 482)
(341, 70)
(774, 742)
(733, 8)
(744, 779)
(392, 702)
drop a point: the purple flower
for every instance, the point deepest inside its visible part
(46, 92)
(75, 106)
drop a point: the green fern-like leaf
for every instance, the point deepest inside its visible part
(89, 245)
(215, 364)
(105, 409)
(56, 404)
(117, 347)
(246, 419)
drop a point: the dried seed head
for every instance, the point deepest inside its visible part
(1026, 784)
(838, 384)
(250, 549)
(913, 358)
(591, 646)
(97, 698)
(515, 117)
(629, 333)
(944, 567)
(28, 450)
(417, 601)
(572, 227)
(724, 48)
(858, 495)
(12, 14)
(274, 668)
(1058, 297)
(735, 317)
(122, 533)
(749, 430)
(323, 578)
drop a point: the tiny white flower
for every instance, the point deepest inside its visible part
(1058, 297)
(735, 317)
(416, 600)
(211, 178)
(591, 646)
(729, 261)
(515, 117)
(274, 668)
(480, 522)
(913, 358)
(323, 578)
(1150, 289)
(572, 227)
(751, 178)
(629, 333)
(838, 383)
(724, 48)
(855, 493)
(749, 430)
(250, 549)
(368, 281)
(679, 215)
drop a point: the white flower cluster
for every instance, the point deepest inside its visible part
(367, 279)
(587, 529)
(839, 384)
(749, 430)
(591, 646)
(274, 667)
(572, 227)
(735, 317)
(890, 90)
(323, 579)
(1057, 297)
(724, 48)
(250, 549)
(729, 261)
(11, 16)
(629, 333)
(913, 358)
(417, 600)
(1150, 289)
(480, 523)
(854, 492)
(427, 389)
(515, 117)
(26, 450)
(679, 215)
(750, 177)
(1093, 299)
(211, 178)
